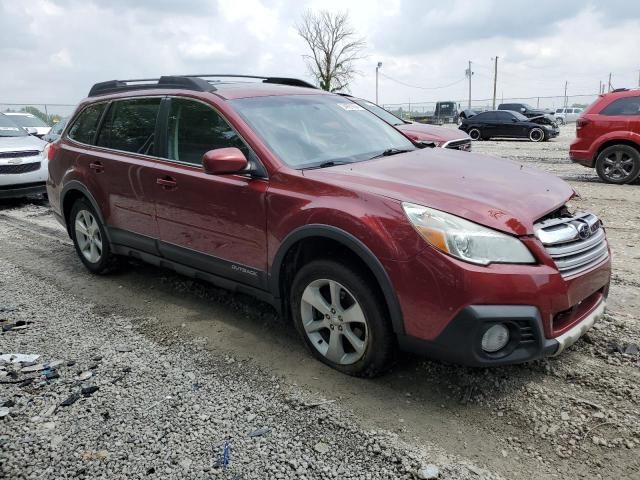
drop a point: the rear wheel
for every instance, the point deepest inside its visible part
(536, 135)
(340, 316)
(560, 120)
(475, 134)
(90, 239)
(618, 164)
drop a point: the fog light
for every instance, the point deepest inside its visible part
(495, 338)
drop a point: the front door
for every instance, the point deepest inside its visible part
(214, 223)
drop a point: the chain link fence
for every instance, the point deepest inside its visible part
(419, 109)
(49, 113)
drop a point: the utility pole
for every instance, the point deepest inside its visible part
(609, 82)
(469, 73)
(638, 78)
(600, 86)
(377, 68)
(495, 82)
(565, 93)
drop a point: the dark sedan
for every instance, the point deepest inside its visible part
(507, 124)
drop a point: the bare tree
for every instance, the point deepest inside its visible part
(334, 46)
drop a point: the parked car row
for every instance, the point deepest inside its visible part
(366, 239)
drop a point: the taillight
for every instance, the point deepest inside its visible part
(52, 150)
(582, 122)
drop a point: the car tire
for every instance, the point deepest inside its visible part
(618, 164)
(90, 239)
(340, 315)
(537, 135)
(560, 120)
(475, 134)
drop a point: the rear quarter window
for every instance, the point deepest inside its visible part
(85, 125)
(623, 106)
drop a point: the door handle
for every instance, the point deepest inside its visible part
(97, 166)
(167, 182)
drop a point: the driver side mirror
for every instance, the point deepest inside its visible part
(513, 119)
(224, 160)
(31, 130)
(522, 109)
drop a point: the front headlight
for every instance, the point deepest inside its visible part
(464, 239)
(548, 127)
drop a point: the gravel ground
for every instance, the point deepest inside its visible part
(164, 405)
(231, 367)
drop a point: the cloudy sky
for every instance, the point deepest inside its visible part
(54, 50)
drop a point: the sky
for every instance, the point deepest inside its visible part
(52, 51)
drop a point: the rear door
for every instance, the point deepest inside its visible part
(109, 146)
(214, 223)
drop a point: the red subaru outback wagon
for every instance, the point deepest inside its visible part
(608, 137)
(367, 241)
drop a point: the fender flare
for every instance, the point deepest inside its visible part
(75, 185)
(353, 244)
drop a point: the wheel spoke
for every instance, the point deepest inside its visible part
(334, 289)
(81, 228)
(335, 352)
(313, 297)
(608, 161)
(357, 344)
(353, 314)
(98, 243)
(313, 326)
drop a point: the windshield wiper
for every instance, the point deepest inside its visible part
(391, 151)
(330, 163)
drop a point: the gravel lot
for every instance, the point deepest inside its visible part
(182, 366)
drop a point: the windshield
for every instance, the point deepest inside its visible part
(311, 130)
(379, 111)
(58, 127)
(520, 116)
(27, 121)
(9, 128)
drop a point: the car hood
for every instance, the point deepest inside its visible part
(494, 192)
(542, 120)
(17, 144)
(430, 133)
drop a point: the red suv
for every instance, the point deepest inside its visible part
(301, 197)
(608, 137)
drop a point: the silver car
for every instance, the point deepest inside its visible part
(23, 162)
(567, 115)
(30, 122)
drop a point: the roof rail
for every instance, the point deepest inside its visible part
(198, 83)
(293, 82)
(615, 90)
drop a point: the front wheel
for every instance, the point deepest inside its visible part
(536, 135)
(618, 164)
(90, 239)
(340, 315)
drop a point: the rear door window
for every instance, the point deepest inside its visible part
(84, 128)
(195, 128)
(623, 106)
(130, 125)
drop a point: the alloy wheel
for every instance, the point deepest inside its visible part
(618, 166)
(536, 135)
(88, 236)
(334, 322)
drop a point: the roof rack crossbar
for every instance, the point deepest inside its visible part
(187, 82)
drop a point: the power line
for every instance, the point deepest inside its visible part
(422, 88)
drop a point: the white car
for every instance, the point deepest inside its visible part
(30, 123)
(567, 115)
(23, 161)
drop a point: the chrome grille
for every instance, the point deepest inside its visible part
(20, 168)
(20, 154)
(575, 243)
(464, 144)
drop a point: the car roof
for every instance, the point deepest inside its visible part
(225, 86)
